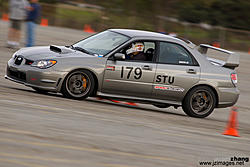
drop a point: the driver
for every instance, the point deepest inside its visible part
(136, 52)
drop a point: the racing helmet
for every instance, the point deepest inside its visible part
(136, 47)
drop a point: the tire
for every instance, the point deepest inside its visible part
(199, 102)
(41, 91)
(78, 85)
(161, 105)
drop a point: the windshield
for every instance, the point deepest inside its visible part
(101, 43)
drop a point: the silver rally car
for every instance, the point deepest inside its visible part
(135, 66)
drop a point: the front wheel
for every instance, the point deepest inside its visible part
(199, 102)
(78, 84)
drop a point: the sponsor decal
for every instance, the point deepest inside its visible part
(111, 68)
(183, 62)
(170, 88)
(97, 55)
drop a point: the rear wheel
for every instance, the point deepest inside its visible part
(78, 84)
(199, 102)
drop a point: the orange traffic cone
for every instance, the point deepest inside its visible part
(44, 22)
(249, 51)
(216, 44)
(131, 104)
(232, 124)
(5, 17)
(87, 28)
(99, 98)
(115, 101)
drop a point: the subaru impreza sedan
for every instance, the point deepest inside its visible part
(134, 66)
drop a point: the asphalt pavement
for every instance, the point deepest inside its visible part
(38, 130)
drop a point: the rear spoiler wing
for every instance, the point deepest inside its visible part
(232, 61)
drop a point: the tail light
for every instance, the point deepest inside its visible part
(234, 78)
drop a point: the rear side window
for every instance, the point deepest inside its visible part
(171, 53)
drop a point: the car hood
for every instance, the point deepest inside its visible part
(46, 52)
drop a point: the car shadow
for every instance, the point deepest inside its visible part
(96, 101)
(106, 102)
(33, 91)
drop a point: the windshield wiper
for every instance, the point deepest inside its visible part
(80, 49)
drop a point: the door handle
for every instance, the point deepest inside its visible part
(191, 71)
(147, 67)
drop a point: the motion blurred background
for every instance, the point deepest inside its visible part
(226, 22)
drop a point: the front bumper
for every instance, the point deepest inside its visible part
(228, 97)
(47, 79)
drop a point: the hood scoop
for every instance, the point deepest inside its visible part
(60, 49)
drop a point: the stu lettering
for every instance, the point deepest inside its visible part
(165, 79)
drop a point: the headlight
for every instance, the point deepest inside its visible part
(44, 63)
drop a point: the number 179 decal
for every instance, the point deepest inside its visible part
(136, 71)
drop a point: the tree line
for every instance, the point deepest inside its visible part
(227, 13)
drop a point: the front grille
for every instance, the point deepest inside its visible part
(17, 75)
(18, 60)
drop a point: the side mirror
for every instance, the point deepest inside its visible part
(119, 56)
